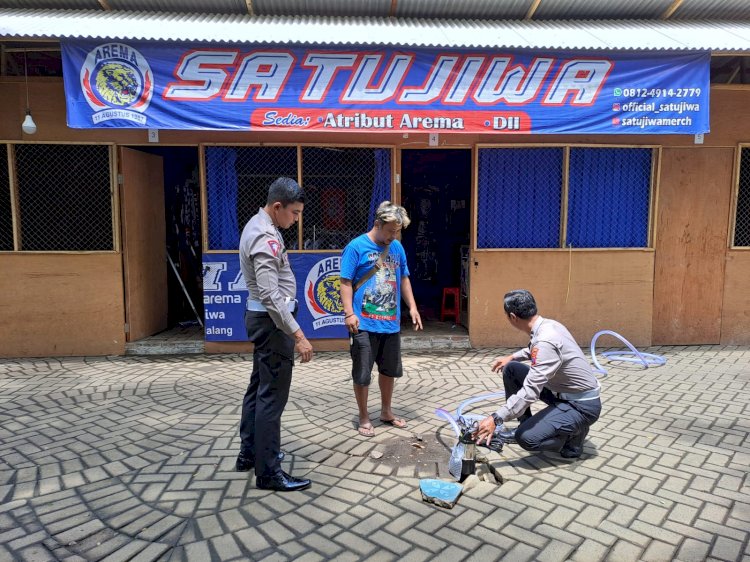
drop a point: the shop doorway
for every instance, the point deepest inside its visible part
(436, 192)
(161, 225)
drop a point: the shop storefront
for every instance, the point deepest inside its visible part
(590, 178)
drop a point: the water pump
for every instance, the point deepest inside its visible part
(469, 458)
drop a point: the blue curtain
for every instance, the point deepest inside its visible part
(381, 189)
(519, 197)
(221, 185)
(608, 197)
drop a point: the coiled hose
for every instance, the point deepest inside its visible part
(632, 356)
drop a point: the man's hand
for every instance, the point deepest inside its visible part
(416, 320)
(303, 347)
(500, 362)
(352, 323)
(485, 430)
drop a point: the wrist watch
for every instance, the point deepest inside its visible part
(497, 419)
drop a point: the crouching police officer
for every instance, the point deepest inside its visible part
(558, 374)
(271, 326)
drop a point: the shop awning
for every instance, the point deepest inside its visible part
(603, 35)
(734, 10)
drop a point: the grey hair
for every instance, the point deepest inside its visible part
(521, 303)
(390, 212)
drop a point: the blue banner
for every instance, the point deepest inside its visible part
(250, 87)
(320, 312)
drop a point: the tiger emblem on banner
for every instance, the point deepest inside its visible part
(323, 293)
(117, 83)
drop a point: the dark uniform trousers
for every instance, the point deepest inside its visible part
(267, 393)
(549, 429)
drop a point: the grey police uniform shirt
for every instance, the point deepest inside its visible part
(557, 363)
(266, 269)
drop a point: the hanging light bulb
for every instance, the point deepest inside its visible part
(28, 126)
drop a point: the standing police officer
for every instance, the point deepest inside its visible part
(271, 326)
(559, 375)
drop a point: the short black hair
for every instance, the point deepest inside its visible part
(521, 303)
(285, 191)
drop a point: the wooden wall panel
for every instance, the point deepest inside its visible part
(730, 116)
(730, 120)
(609, 290)
(691, 244)
(12, 106)
(61, 304)
(735, 314)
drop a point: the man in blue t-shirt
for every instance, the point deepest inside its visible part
(374, 277)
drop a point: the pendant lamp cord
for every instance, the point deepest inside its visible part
(26, 77)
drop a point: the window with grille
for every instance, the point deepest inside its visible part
(237, 180)
(64, 197)
(343, 187)
(608, 197)
(742, 218)
(520, 191)
(520, 197)
(6, 219)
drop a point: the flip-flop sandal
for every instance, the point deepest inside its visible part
(366, 431)
(395, 422)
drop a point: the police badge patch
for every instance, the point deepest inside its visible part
(275, 247)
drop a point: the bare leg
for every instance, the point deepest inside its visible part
(361, 393)
(386, 395)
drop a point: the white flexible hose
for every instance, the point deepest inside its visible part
(632, 356)
(441, 413)
(462, 405)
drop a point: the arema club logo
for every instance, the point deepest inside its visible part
(323, 293)
(117, 82)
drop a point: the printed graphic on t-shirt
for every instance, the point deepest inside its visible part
(381, 297)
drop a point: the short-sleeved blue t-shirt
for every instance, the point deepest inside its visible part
(377, 303)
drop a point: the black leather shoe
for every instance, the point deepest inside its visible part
(282, 482)
(247, 463)
(573, 447)
(507, 437)
(244, 464)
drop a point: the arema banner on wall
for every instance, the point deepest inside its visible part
(249, 87)
(320, 314)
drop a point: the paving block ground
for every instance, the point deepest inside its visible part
(130, 458)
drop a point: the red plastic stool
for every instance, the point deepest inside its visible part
(455, 309)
